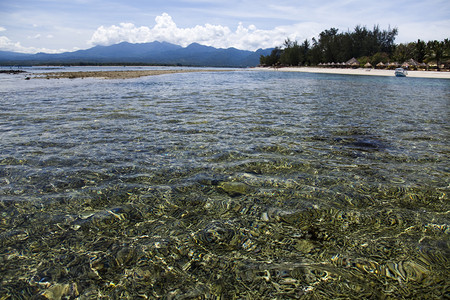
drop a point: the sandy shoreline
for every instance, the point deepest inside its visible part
(112, 74)
(360, 71)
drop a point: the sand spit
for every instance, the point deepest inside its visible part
(360, 71)
(113, 74)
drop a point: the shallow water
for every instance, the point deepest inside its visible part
(241, 184)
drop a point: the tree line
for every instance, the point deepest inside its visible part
(373, 46)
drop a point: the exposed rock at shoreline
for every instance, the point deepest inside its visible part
(12, 71)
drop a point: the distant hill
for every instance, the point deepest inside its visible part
(155, 53)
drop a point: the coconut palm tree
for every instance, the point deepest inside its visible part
(437, 50)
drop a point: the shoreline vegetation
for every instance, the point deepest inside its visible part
(361, 48)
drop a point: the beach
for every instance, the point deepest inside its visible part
(360, 71)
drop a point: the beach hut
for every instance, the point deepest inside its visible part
(368, 65)
(412, 64)
(353, 62)
(380, 65)
(393, 65)
(423, 66)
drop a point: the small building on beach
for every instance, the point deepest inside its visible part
(410, 64)
(380, 65)
(393, 65)
(353, 62)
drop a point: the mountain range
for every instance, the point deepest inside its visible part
(154, 53)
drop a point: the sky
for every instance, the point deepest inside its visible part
(53, 26)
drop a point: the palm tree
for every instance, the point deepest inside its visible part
(436, 52)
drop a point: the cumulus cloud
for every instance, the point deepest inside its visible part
(165, 30)
(2, 28)
(7, 45)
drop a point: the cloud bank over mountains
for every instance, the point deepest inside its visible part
(7, 44)
(32, 26)
(166, 30)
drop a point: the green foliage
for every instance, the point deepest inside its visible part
(438, 51)
(272, 59)
(372, 46)
(433, 52)
(379, 57)
(403, 52)
(333, 46)
(420, 51)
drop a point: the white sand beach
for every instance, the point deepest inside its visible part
(360, 71)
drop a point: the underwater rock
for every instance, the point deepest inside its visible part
(107, 217)
(235, 188)
(218, 235)
(58, 291)
(304, 246)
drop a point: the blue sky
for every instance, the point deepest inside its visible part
(60, 25)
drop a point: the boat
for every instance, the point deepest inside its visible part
(400, 72)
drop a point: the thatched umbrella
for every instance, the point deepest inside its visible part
(353, 62)
(368, 65)
(380, 65)
(393, 65)
(412, 62)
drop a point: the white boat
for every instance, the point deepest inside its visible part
(400, 72)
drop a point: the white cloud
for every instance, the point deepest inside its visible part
(37, 36)
(7, 45)
(165, 30)
(2, 28)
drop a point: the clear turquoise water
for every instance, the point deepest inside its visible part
(243, 184)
